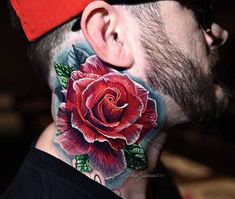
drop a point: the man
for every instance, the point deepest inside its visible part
(120, 74)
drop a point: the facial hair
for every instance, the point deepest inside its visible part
(172, 72)
(178, 77)
(182, 78)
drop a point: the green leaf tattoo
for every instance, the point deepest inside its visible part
(135, 157)
(82, 163)
(64, 72)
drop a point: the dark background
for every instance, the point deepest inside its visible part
(25, 106)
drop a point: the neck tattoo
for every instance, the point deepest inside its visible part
(105, 118)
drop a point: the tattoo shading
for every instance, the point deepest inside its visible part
(103, 118)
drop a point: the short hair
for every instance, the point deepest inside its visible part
(40, 52)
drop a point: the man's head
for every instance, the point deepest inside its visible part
(180, 56)
(160, 42)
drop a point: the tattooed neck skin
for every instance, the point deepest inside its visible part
(106, 122)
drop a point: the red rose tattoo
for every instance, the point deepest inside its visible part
(104, 112)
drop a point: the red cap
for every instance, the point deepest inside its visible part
(41, 16)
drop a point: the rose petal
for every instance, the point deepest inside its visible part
(94, 92)
(90, 134)
(134, 108)
(84, 80)
(108, 111)
(106, 160)
(73, 143)
(70, 140)
(132, 133)
(113, 94)
(126, 82)
(117, 144)
(95, 98)
(95, 66)
(122, 93)
(132, 112)
(100, 87)
(77, 75)
(98, 113)
(130, 116)
(71, 98)
(148, 119)
(95, 121)
(108, 132)
(94, 131)
(142, 93)
(79, 87)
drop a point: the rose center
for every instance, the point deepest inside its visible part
(107, 109)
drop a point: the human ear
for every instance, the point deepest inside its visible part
(104, 29)
(216, 36)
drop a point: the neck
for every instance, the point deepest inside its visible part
(117, 157)
(126, 190)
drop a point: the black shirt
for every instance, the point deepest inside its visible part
(43, 176)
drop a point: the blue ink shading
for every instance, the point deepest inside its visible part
(78, 55)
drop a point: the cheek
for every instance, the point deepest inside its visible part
(191, 43)
(199, 51)
(180, 26)
(185, 34)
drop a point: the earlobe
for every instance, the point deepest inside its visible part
(102, 27)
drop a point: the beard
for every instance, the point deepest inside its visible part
(176, 75)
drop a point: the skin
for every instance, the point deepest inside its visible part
(193, 40)
(100, 22)
(185, 33)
